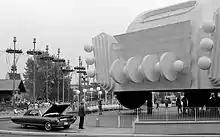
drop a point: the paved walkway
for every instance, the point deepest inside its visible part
(73, 131)
(103, 130)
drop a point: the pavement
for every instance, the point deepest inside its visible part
(75, 132)
(108, 127)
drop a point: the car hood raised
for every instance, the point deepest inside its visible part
(56, 108)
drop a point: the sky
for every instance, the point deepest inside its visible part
(64, 24)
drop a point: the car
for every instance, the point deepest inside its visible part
(51, 118)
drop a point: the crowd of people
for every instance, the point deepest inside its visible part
(185, 104)
(181, 104)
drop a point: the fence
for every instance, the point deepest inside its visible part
(171, 114)
(125, 118)
(112, 119)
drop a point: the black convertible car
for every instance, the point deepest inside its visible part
(53, 117)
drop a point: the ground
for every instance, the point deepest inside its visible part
(108, 123)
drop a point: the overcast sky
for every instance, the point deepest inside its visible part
(65, 24)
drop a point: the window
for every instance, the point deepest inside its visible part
(34, 113)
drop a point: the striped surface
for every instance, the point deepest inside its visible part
(102, 52)
(214, 73)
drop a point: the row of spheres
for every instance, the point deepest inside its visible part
(89, 60)
(122, 72)
(206, 44)
(137, 69)
(151, 67)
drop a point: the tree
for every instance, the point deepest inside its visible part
(40, 79)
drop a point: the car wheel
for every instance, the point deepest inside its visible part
(24, 126)
(47, 126)
(66, 126)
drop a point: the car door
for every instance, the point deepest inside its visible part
(34, 118)
(25, 118)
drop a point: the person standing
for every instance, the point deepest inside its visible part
(100, 107)
(157, 103)
(81, 114)
(184, 100)
(149, 106)
(179, 105)
(166, 103)
(73, 106)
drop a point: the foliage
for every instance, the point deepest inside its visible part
(41, 68)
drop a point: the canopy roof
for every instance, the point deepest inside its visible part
(7, 85)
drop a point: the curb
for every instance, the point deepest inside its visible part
(78, 134)
(161, 135)
(5, 118)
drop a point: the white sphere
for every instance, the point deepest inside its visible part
(77, 92)
(208, 27)
(90, 60)
(178, 65)
(98, 88)
(84, 90)
(90, 73)
(91, 89)
(157, 67)
(100, 92)
(88, 48)
(206, 44)
(204, 63)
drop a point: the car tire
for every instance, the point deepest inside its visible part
(66, 126)
(47, 126)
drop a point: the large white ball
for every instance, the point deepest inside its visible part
(98, 88)
(208, 27)
(91, 89)
(178, 65)
(88, 48)
(100, 92)
(83, 100)
(204, 63)
(90, 73)
(77, 92)
(90, 60)
(84, 90)
(206, 44)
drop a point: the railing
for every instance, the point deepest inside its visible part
(171, 114)
(110, 107)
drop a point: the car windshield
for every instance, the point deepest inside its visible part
(33, 113)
